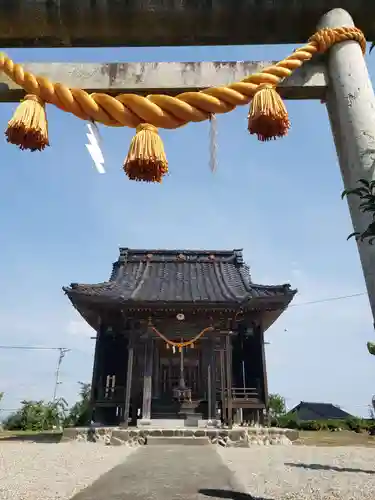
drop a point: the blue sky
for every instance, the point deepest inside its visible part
(61, 222)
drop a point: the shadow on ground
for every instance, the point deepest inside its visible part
(232, 495)
(328, 467)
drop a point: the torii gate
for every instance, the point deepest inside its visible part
(341, 80)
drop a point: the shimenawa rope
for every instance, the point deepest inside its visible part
(268, 117)
(180, 345)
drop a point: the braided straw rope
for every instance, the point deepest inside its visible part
(130, 110)
(180, 345)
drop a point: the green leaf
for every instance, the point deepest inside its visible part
(355, 234)
(369, 197)
(368, 209)
(356, 191)
(365, 182)
(371, 348)
(366, 204)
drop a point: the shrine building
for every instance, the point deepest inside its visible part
(179, 335)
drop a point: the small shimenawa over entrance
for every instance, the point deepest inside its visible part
(179, 334)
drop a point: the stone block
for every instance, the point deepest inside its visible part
(121, 434)
(70, 434)
(169, 432)
(212, 433)
(114, 441)
(155, 432)
(200, 433)
(292, 434)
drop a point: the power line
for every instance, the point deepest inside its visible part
(329, 299)
(34, 348)
(312, 302)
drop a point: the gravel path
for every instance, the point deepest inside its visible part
(166, 472)
(34, 471)
(30, 471)
(304, 473)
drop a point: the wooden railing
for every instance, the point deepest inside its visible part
(117, 394)
(114, 394)
(245, 393)
(241, 394)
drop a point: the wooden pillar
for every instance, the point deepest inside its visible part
(96, 372)
(147, 382)
(211, 379)
(264, 367)
(204, 368)
(222, 382)
(156, 370)
(351, 108)
(129, 375)
(228, 352)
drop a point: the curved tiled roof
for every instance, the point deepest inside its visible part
(180, 276)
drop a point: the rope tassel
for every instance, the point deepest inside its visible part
(28, 128)
(268, 117)
(146, 160)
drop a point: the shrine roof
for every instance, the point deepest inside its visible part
(179, 276)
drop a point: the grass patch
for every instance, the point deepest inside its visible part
(339, 438)
(37, 436)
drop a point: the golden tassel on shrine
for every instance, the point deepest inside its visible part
(28, 128)
(268, 117)
(179, 349)
(146, 160)
(192, 345)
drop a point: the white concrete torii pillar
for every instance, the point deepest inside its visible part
(351, 108)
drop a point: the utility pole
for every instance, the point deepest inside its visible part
(62, 352)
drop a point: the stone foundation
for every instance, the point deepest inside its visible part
(238, 437)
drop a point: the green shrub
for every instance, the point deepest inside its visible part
(354, 424)
(335, 425)
(286, 422)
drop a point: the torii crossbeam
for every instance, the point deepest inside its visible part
(142, 23)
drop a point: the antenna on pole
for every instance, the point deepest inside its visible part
(62, 352)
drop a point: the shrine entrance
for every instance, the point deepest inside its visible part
(170, 372)
(171, 378)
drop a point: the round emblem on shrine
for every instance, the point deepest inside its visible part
(180, 316)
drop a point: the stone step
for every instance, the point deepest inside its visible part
(167, 423)
(179, 440)
(164, 415)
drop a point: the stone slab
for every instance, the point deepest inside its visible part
(177, 441)
(166, 473)
(308, 82)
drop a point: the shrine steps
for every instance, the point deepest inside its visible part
(165, 409)
(133, 436)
